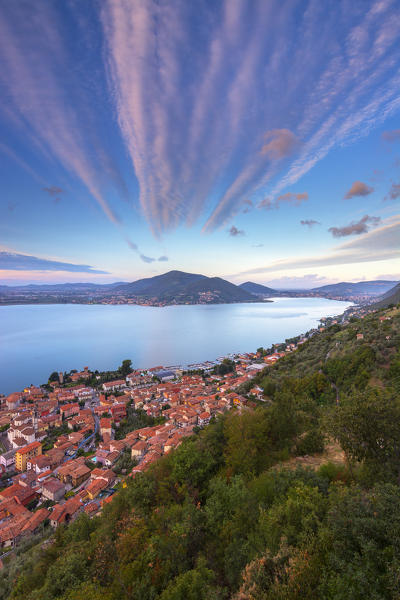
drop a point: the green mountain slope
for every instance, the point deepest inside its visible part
(391, 297)
(227, 516)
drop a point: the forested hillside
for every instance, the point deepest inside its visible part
(229, 515)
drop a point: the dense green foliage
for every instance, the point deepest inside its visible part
(53, 434)
(126, 367)
(223, 516)
(135, 419)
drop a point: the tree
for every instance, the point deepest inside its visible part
(53, 376)
(126, 367)
(363, 529)
(192, 467)
(227, 366)
(192, 585)
(367, 428)
(248, 439)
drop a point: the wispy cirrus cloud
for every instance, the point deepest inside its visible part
(46, 101)
(248, 205)
(309, 222)
(358, 188)
(150, 259)
(355, 227)
(288, 198)
(146, 259)
(143, 257)
(394, 192)
(9, 152)
(384, 240)
(279, 143)
(11, 261)
(54, 191)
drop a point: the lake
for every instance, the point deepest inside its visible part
(38, 339)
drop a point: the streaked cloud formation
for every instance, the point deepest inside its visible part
(47, 103)
(358, 189)
(355, 227)
(238, 127)
(24, 262)
(384, 240)
(201, 105)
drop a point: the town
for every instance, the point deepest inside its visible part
(69, 445)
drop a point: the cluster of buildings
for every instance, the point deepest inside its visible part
(59, 448)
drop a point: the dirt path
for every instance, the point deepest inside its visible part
(333, 453)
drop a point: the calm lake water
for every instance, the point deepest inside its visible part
(36, 340)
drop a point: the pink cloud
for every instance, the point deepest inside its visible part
(355, 227)
(391, 136)
(279, 143)
(358, 188)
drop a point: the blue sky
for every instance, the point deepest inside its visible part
(246, 139)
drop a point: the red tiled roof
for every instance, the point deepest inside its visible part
(29, 447)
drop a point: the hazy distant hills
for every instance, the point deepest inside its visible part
(339, 290)
(178, 287)
(368, 288)
(257, 289)
(186, 287)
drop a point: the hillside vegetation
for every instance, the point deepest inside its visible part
(227, 516)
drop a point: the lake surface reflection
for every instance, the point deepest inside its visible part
(36, 340)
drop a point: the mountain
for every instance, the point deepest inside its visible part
(362, 288)
(180, 287)
(257, 289)
(171, 282)
(391, 297)
(174, 287)
(224, 290)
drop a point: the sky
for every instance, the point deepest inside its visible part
(247, 139)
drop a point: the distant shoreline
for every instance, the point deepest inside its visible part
(43, 303)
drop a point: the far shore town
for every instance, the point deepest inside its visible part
(69, 445)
